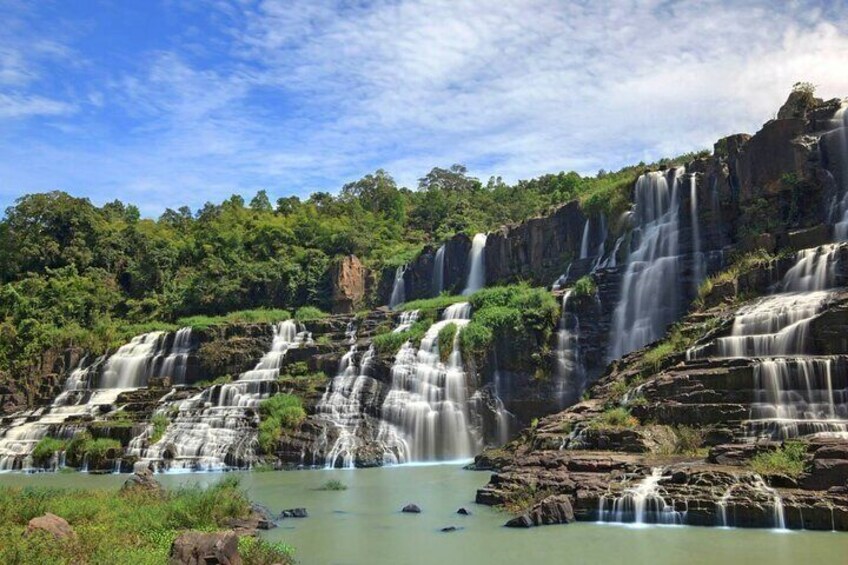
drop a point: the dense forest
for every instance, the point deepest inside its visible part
(73, 273)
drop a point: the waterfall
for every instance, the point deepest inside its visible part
(134, 363)
(570, 374)
(814, 269)
(439, 271)
(697, 257)
(503, 418)
(176, 362)
(584, 240)
(476, 265)
(129, 368)
(407, 319)
(650, 289)
(641, 504)
(342, 406)
(839, 207)
(426, 411)
(779, 516)
(398, 289)
(216, 428)
(799, 396)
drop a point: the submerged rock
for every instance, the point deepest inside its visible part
(463, 512)
(198, 548)
(294, 513)
(57, 526)
(450, 529)
(411, 509)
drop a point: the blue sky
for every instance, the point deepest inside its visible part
(165, 103)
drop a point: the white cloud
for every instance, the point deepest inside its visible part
(12, 106)
(310, 94)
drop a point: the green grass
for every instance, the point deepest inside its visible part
(256, 316)
(280, 412)
(222, 380)
(429, 306)
(130, 527)
(307, 313)
(333, 484)
(256, 551)
(160, 424)
(617, 418)
(390, 342)
(739, 265)
(446, 338)
(789, 460)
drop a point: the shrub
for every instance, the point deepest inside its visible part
(44, 450)
(390, 342)
(429, 306)
(280, 412)
(789, 460)
(255, 316)
(446, 338)
(333, 484)
(256, 551)
(306, 313)
(475, 339)
(96, 450)
(614, 418)
(160, 423)
(688, 440)
(585, 286)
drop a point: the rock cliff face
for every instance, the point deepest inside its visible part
(348, 284)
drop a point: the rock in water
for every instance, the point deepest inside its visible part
(552, 510)
(197, 548)
(294, 513)
(463, 512)
(450, 529)
(411, 509)
(52, 524)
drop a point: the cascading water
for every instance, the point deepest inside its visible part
(584, 240)
(839, 207)
(135, 362)
(216, 428)
(650, 295)
(343, 407)
(570, 373)
(779, 516)
(795, 393)
(398, 289)
(426, 413)
(407, 319)
(176, 362)
(476, 265)
(438, 282)
(697, 256)
(641, 504)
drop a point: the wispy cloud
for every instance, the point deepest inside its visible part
(296, 96)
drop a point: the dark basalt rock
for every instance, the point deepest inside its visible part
(411, 509)
(450, 529)
(294, 513)
(463, 512)
(551, 510)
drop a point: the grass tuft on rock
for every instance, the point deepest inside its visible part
(333, 484)
(789, 459)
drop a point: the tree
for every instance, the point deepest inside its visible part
(261, 203)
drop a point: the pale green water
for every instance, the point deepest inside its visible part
(363, 525)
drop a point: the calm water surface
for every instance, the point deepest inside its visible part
(364, 525)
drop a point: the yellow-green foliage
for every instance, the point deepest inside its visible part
(788, 460)
(618, 417)
(160, 424)
(390, 342)
(740, 264)
(111, 527)
(306, 313)
(280, 412)
(429, 306)
(255, 316)
(45, 448)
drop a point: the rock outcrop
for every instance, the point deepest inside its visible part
(348, 277)
(51, 524)
(199, 548)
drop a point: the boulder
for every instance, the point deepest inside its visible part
(411, 509)
(142, 479)
(199, 548)
(449, 529)
(463, 512)
(57, 526)
(551, 510)
(294, 513)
